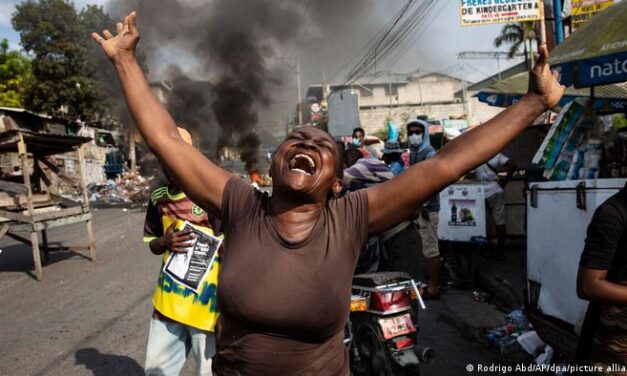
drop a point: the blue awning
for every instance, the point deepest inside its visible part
(596, 53)
(607, 98)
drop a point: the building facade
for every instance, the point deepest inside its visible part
(403, 97)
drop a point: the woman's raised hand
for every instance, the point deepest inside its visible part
(122, 45)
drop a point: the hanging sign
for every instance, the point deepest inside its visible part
(583, 10)
(484, 12)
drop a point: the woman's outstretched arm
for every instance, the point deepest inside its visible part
(199, 178)
(397, 199)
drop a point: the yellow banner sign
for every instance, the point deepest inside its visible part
(483, 12)
(583, 10)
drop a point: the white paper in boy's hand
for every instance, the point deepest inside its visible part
(190, 268)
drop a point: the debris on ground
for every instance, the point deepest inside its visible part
(480, 296)
(531, 342)
(546, 356)
(506, 338)
(130, 187)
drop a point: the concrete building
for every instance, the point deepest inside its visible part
(402, 97)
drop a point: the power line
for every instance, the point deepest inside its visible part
(370, 57)
(395, 37)
(367, 46)
(313, 17)
(403, 50)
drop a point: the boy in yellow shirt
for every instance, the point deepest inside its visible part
(182, 319)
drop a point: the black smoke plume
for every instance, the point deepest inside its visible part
(236, 43)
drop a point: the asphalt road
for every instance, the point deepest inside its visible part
(91, 318)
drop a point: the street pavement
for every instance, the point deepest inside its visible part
(91, 318)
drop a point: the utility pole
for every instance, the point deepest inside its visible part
(420, 90)
(390, 88)
(296, 68)
(465, 103)
(300, 95)
(324, 88)
(557, 15)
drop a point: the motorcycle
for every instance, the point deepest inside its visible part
(382, 331)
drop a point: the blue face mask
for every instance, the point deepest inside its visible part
(356, 142)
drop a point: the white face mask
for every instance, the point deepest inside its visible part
(415, 139)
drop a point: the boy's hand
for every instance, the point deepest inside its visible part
(177, 241)
(123, 44)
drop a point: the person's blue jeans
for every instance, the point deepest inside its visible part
(170, 342)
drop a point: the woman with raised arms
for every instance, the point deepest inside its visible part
(288, 260)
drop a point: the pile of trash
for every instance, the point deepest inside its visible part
(505, 338)
(518, 334)
(130, 187)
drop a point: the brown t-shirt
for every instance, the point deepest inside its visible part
(284, 305)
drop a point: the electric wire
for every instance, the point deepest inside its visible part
(393, 39)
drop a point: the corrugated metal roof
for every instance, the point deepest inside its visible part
(39, 143)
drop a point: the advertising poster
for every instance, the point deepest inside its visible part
(484, 12)
(462, 212)
(583, 10)
(190, 268)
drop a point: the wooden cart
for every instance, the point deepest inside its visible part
(31, 207)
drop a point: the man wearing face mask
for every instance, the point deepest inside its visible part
(367, 145)
(420, 150)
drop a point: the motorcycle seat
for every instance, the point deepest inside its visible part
(379, 278)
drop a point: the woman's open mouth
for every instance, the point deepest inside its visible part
(303, 164)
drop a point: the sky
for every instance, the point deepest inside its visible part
(435, 51)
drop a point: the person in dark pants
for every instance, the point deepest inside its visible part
(401, 244)
(421, 150)
(602, 280)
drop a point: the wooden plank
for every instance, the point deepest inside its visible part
(85, 203)
(41, 217)
(14, 201)
(58, 172)
(36, 255)
(9, 186)
(90, 239)
(14, 216)
(46, 225)
(4, 230)
(81, 177)
(21, 147)
(39, 172)
(64, 201)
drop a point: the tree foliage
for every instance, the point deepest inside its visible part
(517, 35)
(63, 83)
(14, 76)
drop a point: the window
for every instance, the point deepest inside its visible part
(393, 92)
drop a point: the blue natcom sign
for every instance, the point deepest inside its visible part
(602, 70)
(602, 105)
(606, 69)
